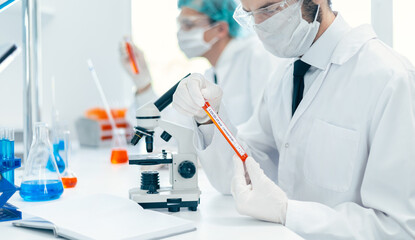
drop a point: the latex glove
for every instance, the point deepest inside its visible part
(262, 199)
(141, 80)
(190, 96)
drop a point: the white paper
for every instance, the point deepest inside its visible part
(103, 216)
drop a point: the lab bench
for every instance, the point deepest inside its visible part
(215, 218)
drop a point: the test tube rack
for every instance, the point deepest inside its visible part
(8, 212)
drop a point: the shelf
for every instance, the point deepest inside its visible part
(4, 4)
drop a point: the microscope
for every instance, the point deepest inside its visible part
(184, 190)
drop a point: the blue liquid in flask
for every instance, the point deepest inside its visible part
(41, 190)
(59, 160)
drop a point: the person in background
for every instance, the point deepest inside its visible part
(240, 64)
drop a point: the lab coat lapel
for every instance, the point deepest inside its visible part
(347, 48)
(308, 98)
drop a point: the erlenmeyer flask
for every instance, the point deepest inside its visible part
(41, 182)
(58, 146)
(119, 152)
(69, 178)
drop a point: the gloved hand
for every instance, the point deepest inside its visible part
(190, 96)
(141, 80)
(262, 199)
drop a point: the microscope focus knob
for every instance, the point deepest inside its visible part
(165, 136)
(187, 169)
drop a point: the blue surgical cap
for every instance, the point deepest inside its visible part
(217, 10)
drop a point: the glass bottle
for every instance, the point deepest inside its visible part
(40, 182)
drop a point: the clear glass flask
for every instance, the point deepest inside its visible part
(69, 178)
(40, 182)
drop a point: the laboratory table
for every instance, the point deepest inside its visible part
(216, 217)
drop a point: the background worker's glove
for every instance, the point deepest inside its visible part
(262, 199)
(190, 96)
(142, 80)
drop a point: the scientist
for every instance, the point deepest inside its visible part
(341, 118)
(208, 30)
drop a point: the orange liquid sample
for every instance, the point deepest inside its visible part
(69, 182)
(119, 155)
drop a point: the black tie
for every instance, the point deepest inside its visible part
(215, 78)
(300, 69)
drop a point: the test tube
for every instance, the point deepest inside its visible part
(8, 153)
(11, 144)
(1, 145)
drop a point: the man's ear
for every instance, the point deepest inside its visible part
(222, 28)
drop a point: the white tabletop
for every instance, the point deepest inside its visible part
(216, 217)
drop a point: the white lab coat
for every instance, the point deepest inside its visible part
(347, 157)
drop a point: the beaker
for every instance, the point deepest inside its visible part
(119, 152)
(40, 182)
(69, 178)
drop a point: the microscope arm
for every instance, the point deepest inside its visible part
(183, 135)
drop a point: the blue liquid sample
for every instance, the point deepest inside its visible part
(59, 160)
(7, 158)
(1, 149)
(61, 145)
(41, 190)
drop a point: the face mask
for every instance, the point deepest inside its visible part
(192, 42)
(287, 34)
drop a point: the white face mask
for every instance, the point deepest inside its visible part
(192, 42)
(287, 34)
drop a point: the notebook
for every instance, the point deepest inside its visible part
(103, 216)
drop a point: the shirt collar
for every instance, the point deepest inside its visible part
(320, 53)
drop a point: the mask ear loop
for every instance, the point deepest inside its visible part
(215, 39)
(315, 18)
(318, 11)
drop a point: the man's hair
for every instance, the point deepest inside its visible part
(310, 10)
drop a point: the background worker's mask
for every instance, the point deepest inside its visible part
(287, 34)
(192, 42)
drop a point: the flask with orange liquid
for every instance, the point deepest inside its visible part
(69, 178)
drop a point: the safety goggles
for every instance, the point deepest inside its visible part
(189, 22)
(249, 19)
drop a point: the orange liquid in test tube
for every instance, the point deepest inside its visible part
(119, 155)
(131, 57)
(69, 182)
(225, 131)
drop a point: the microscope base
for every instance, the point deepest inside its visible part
(173, 200)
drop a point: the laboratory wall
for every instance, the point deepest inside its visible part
(72, 32)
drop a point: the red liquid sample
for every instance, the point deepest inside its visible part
(69, 182)
(119, 155)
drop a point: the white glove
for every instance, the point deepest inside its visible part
(262, 199)
(191, 94)
(143, 78)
